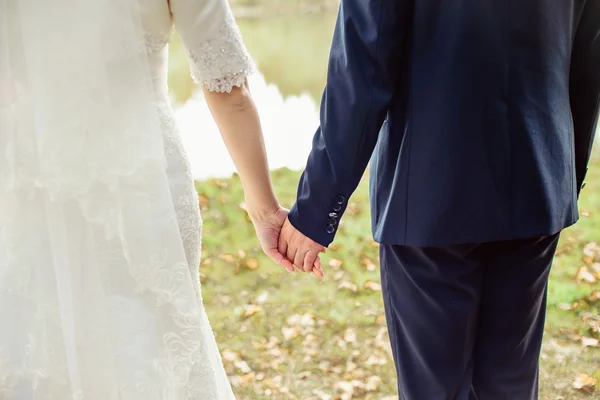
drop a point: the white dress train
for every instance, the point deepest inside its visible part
(80, 330)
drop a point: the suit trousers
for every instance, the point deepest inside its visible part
(466, 321)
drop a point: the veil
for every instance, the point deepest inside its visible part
(90, 246)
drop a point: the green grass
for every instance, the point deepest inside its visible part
(292, 336)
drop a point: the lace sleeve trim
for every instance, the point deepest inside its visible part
(222, 61)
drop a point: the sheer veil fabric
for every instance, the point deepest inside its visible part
(97, 299)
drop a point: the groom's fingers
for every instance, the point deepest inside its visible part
(291, 252)
(318, 264)
(310, 260)
(299, 259)
(317, 270)
(315, 266)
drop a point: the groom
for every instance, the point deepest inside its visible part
(479, 117)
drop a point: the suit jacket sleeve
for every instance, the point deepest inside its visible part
(365, 59)
(585, 85)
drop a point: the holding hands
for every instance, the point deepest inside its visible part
(299, 249)
(285, 245)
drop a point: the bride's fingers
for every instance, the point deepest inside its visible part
(283, 249)
(280, 260)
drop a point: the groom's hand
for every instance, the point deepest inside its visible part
(268, 226)
(300, 250)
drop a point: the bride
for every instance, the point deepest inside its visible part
(99, 222)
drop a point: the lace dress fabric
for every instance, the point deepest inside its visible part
(162, 346)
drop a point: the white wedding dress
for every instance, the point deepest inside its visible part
(99, 235)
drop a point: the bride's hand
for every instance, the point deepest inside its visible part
(268, 227)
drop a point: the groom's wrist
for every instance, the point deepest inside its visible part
(311, 226)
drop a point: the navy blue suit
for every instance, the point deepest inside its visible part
(478, 118)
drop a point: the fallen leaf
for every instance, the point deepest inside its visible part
(589, 342)
(338, 275)
(322, 395)
(229, 355)
(242, 366)
(305, 319)
(591, 249)
(376, 360)
(335, 263)
(596, 270)
(565, 306)
(583, 274)
(311, 340)
(252, 310)
(371, 285)
(252, 263)
(346, 387)
(348, 285)
(259, 345)
(381, 340)
(203, 200)
(585, 383)
(350, 366)
(368, 263)
(228, 258)
(373, 383)
(290, 333)
(219, 183)
(350, 335)
(242, 380)
(262, 298)
(353, 209)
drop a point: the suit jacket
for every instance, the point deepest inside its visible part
(479, 117)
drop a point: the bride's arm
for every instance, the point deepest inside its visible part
(236, 116)
(220, 63)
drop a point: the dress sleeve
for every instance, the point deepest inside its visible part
(218, 58)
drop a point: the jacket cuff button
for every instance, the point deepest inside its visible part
(340, 200)
(330, 228)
